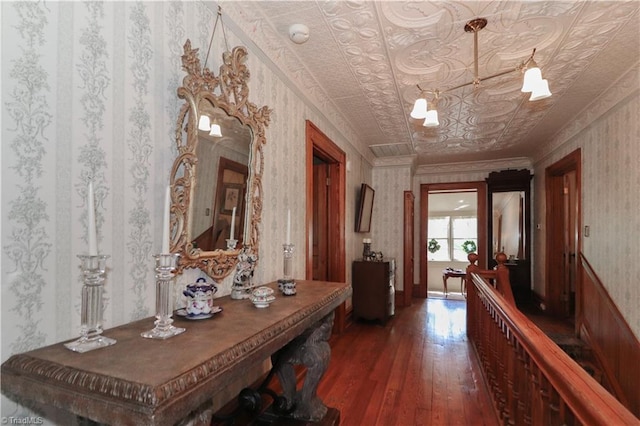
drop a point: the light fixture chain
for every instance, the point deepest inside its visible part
(224, 34)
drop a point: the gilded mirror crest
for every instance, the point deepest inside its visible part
(216, 179)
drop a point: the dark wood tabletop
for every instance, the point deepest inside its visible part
(160, 382)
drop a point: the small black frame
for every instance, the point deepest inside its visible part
(365, 208)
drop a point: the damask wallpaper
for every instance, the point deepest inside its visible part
(89, 94)
(608, 134)
(388, 214)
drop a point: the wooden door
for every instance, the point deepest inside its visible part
(570, 264)
(408, 258)
(563, 235)
(320, 147)
(320, 215)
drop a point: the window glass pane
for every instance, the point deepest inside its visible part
(438, 238)
(438, 227)
(458, 252)
(464, 229)
(442, 253)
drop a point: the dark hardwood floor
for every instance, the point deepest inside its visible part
(419, 369)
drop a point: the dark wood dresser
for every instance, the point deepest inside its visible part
(373, 289)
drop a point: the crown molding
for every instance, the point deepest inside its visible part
(474, 166)
(399, 161)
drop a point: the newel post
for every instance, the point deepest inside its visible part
(472, 299)
(503, 285)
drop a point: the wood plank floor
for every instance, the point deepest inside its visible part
(419, 369)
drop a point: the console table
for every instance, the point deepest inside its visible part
(165, 382)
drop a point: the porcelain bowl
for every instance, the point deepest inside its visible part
(262, 296)
(262, 293)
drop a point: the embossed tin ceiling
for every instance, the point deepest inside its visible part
(364, 60)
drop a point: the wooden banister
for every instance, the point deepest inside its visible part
(498, 277)
(531, 379)
(609, 336)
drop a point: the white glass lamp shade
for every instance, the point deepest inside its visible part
(532, 78)
(204, 123)
(419, 108)
(431, 120)
(215, 130)
(540, 91)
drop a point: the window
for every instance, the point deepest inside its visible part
(450, 233)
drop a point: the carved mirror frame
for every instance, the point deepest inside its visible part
(229, 92)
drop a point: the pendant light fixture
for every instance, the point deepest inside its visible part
(532, 82)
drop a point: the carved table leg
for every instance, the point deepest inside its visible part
(312, 350)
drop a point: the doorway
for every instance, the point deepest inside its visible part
(563, 194)
(480, 189)
(325, 212)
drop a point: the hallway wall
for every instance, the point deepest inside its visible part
(89, 92)
(608, 132)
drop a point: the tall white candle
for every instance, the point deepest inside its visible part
(165, 223)
(233, 222)
(91, 222)
(288, 240)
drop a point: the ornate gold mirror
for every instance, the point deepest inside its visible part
(216, 180)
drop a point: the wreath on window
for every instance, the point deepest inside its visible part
(433, 246)
(469, 246)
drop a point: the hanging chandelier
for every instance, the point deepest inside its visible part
(532, 82)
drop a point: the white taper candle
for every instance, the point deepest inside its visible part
(288, 240)
(91, 222)
(233, 222)
(166, 222)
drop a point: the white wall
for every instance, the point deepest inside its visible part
(89, 92)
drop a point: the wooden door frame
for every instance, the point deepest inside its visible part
(554, 183)
(318, 144)
(481, 189)
(408, 254)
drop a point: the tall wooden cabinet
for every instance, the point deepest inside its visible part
(373, 285)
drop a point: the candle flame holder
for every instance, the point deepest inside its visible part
(93, 268)
(366, 251)
(231, 244)
(165, 268)
(287, 284)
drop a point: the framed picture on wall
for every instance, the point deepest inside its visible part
(231, 195)
(364, 208)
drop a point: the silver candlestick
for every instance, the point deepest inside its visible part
(165, 267)
(93, 267)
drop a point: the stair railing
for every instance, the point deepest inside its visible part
(532, 381)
